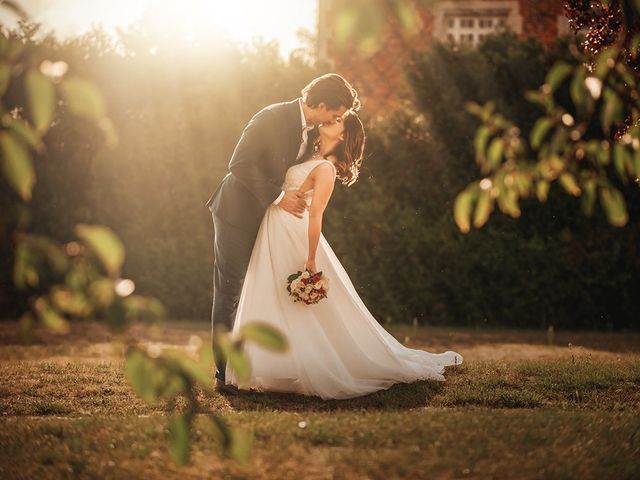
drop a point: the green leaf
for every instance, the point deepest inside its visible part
(614, 206)
(104, 243)
(68, 301)
(17, 166)
(24, 132)
(539, 131)
(179, 439)
(240, 446)
(542, 190)
(480, 143)
(51, 319)
(494, 154)
(5, 78)
(41, 99)
(588, 196)
(578, 89)
(462, 208)
(139, 372)
(83, 98)
(483, 208)
(569, 184)
(605, 60)
(636, 163)
(557, 74)
(621, 161)
(233, 441)
(612, 111)
(264, 335)
(236, 358)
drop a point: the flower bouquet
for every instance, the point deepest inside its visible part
(306, 287)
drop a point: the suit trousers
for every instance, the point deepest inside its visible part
(232, 252)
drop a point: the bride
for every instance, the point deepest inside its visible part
(337, 349)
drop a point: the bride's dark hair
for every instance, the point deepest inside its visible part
(351, 150)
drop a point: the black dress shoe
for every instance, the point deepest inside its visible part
(224, 388)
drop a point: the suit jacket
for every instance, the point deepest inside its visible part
(268, 146)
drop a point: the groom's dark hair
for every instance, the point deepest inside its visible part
(333, 90)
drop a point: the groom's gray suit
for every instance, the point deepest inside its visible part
(271, 142)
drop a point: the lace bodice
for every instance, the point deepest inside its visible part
(296, 175)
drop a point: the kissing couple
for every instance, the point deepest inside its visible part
(267, 215)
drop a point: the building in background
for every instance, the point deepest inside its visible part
(379, 78)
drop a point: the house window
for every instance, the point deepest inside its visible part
(466, 22)
(472, 30)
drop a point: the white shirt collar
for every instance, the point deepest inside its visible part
(304, 120)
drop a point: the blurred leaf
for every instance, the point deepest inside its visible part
(24, 132)
(614, 206)
(539, 130)
(102, 292)
(26, 324)
(605, 61)
(407, 15)
(179, 439)
(588, 196)
(10, 48)
(240, 446)
(508, 202)
(636, 163)
(17, 166)
(558, 73)
(569, 184)
(236, 358)
(494, 154)
(621, 161)
(542, 190)
(139, 372)
(41, 99)
(264, 335)
(462, 207)
(233, 442)
(578, 90)
(612, 111)
(51, 319)
(483, 208)
(221, 431)
(5, 78)
(104, 243)
(70, 302)
(192, 369)
(83, 98)
(480, 143)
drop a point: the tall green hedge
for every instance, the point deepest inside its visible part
(179, 117)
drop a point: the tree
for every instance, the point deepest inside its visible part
(81, 278)
(591, 147)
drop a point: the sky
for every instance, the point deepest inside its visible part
(240, 19)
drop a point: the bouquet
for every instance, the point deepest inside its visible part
(306, 287)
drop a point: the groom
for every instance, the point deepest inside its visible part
(274, 139)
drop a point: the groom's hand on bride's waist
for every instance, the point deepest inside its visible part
(293, 202)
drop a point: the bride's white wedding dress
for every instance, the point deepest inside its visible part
(337, 349)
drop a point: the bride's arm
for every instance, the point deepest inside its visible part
(324, 181)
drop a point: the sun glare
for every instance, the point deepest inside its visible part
(191, 22)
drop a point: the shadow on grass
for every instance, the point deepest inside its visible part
(401, 396)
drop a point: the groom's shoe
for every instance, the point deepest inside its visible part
(224, 388)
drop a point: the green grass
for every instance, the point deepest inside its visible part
(67, 411)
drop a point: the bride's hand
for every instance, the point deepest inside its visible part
(311, 266)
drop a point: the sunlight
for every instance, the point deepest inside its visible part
(191, 23)
(240, 20)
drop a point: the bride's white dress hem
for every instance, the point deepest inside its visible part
(337, 349)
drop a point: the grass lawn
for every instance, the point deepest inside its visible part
(516, 408)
